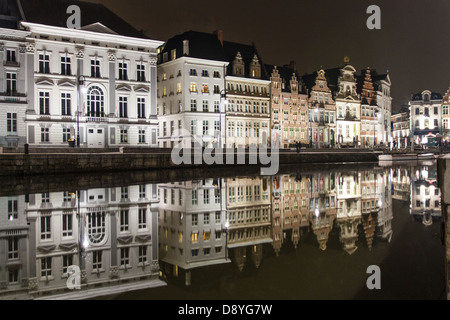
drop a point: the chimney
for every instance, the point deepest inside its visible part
(185, 47)
(219, 34)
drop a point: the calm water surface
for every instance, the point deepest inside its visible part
(298, 235)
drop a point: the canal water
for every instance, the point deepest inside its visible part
(303, 234)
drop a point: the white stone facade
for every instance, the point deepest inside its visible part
(116, 102)
(191, 104)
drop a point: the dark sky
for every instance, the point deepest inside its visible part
(413, 43)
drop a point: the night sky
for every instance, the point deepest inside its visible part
(413, 43)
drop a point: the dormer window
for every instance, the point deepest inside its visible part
(238, 65)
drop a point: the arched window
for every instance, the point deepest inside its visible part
(96, 227)
(96, 102)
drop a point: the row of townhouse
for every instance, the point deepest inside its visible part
(220, 93)
(101, 87)
(426, 119)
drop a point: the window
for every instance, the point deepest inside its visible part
(217, 127)
(13, 275)
(67, 262)
(123, 71)
(173, 54)
(95, 68)
(142, 191)
(193, 105)
(141, 108)
(97, 259)
(46, 267)
(205, 127)
(141, 72)
(95, 102)
(193, 127)
(205, 106)
(206, 219)
(13, 248)
(142, 219)
(436, 110)
(193, 72)
(44, 103)
(45, 227)
(142, 254)
(141, 136)
(66, 66)
(44, 63)
(66, 134)
(45, 135)
(194, 237)
(206, 196)
(205, 73)
(445, 110)
(195, 220)
(124, 257)
(216, 74)
(194, 197)
(65, 104)
(123, 107)
(96, 227)
(205, 88)
(123, 192)
(11, 55)
(67, 229)
(193, 87)
(123, 136)
(11, 123)
(179, 88)
(11, 83)
(12, 209)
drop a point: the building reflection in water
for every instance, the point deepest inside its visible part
(140, 236)
(110, 233)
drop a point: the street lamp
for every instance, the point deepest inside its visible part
(223, 96)
(82, 89)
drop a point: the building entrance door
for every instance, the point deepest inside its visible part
(96, 138)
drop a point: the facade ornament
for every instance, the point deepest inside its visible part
(112, 55)
(153, 60)
(155, 266)
(32, 284)
(114, 272)
(31, 47)
(79, 52)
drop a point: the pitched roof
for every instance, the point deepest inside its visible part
(247, 52)
(434, 96)
(285, 73)
(54, 13)
(201, 45)
(332, 76)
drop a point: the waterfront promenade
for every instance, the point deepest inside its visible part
(72, 160)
